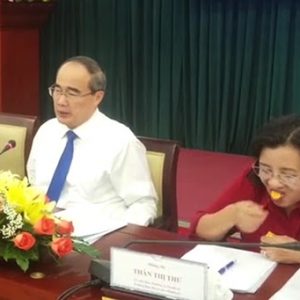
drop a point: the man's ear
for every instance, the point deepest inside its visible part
(99, 96)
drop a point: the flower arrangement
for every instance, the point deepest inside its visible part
(28, 226)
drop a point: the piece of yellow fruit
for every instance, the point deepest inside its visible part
(270, 234)
(275, 195)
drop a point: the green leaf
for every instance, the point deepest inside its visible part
(2, 219)
(82, 247)
(22, 257)
(2, 248)
(23, 263)
(11, 252)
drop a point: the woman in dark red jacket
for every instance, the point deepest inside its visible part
(263, 204)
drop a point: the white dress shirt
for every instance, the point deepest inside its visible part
(109, 171)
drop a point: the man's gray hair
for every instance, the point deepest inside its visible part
(98, 77)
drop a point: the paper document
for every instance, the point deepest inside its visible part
(291, 290)
(90, 226)
(246, 275)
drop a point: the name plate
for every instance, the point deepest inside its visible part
(158, 275)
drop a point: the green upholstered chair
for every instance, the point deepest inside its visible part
(21, 129)
(162, 157)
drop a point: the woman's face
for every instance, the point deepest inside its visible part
(279, 170)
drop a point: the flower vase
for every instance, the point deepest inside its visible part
(46, 256)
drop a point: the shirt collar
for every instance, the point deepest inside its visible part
(86, 129)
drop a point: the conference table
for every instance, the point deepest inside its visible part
(74, 270)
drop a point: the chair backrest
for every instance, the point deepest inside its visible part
(21, 129)
(163, 158)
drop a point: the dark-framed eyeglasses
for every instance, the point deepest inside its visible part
(266, 173)
(56, 91)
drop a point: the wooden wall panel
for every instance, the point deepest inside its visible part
(20, 25)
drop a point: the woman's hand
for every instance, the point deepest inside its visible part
(249, 215)
(246, 215)
(280, 255)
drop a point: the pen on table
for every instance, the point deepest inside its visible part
(226, 267)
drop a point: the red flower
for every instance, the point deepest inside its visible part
(64, 227)
(45, 226)
(24, 240)
(62, 246)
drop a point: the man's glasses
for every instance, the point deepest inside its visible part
(55, 92)
(266, 173)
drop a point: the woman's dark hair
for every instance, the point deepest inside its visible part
(280, 131)
(284, 130)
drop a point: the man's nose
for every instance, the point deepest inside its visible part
(62, 97)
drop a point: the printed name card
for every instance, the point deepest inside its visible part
(158, 275)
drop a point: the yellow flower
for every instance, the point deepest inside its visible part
(26, 199)
(37, 209)
(6, 180)
(16, 196)
(23, 209)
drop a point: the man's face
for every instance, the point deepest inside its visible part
(75, 105)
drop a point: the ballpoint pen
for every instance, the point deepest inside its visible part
(226, 267)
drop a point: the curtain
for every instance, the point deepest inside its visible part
(208, 73)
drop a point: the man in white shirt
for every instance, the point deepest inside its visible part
(109, 173)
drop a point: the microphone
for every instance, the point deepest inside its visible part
(290, 246)
(9, 145)
(100, 268)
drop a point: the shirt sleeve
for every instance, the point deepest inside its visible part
(132, 181)
(30, 166)
(241, 189)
